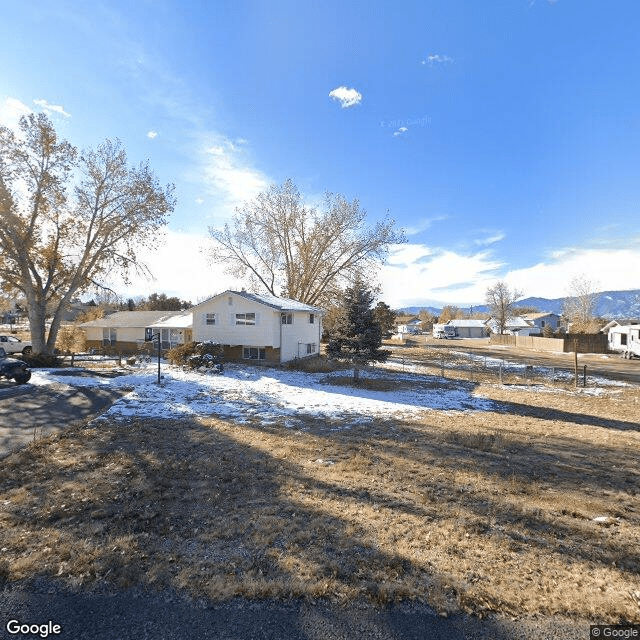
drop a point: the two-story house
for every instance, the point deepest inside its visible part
(260, 327)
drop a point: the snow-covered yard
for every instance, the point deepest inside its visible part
(266, 394)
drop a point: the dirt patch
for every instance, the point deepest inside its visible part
(530, 509)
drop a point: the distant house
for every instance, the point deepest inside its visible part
(125, 330)
(620, 336)
(542, 320)
(516, 326)
(469, 328)
(258, 327)
(609, 325)
(408, 324)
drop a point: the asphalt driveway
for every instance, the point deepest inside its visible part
(28, 411)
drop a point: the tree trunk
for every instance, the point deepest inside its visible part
(356, 373)
(37, 316)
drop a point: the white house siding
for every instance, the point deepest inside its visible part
(226, 331)
(268, 331)
(299, 334)
(621, 336)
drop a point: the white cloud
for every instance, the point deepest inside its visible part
(400, 131)
(199, 200)
(416, 274)
(347, 97)
(228, 173)
(491, 239)
(11, 110)
(613, 269)
(180, 268)
(435, 58)
(152, 134)
(51, 108)
(422, 224)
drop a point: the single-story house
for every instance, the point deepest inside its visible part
(516, 326)
(409, 324)
(543, 319)
(124, 331)
(260, 327)
(609, 325)
(469, 328)
(620, 336)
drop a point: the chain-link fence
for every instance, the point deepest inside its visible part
(478, 368)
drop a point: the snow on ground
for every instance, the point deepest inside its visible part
(266, 395)
(553, 374)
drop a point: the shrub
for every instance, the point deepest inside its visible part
(41, 361)
(318, 364)
(196, 354)
(71, 338)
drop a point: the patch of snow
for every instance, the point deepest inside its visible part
(267, 395)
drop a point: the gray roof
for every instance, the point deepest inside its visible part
(282, 304)
(462, 322)
(540, 314)
(131, 319)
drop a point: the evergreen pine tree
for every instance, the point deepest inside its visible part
(356, 335)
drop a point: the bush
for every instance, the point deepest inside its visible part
(317, 364)
(41, 361)
(196, 354)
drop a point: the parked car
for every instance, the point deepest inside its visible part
(11, 344)
(17, 370)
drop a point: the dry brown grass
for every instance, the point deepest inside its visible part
(483, 511)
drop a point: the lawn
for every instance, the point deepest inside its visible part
(477, 496)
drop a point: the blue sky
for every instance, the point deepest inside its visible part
(504, 136)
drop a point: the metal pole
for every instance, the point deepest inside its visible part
(584, 376)
(159, 352)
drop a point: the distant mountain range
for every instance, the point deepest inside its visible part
(615, 305)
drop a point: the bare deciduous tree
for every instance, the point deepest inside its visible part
(450, 312)
(281, 245)
(55, 244)
(580, 305)
(500, 300)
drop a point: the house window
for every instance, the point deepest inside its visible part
(286, 318)
(253, 353)
(542, 323)
(109, 336)
(230, 299)
(623, 339)
(311, 348)
(312, 318)
(245, 318)
(210, 318)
